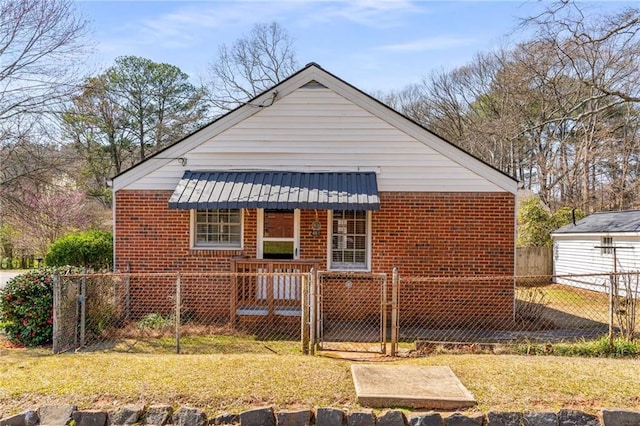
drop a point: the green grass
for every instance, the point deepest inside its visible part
(590, 303)
(233, 373)
(215, 383)
(232, 382)
(602, 347)
(564, 305)
(219, 344)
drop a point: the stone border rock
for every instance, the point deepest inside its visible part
(160, 415)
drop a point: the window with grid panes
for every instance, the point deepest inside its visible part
(218, 228)
(349, 239)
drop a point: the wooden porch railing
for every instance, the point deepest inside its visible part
(268, 288)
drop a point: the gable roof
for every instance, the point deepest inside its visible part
(314, 74)
(604, 222)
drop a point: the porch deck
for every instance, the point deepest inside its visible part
(267, 289)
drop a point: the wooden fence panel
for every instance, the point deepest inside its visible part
(534, 261)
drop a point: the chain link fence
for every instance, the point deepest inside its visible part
(176, 312)
(87, 309)
(352, 312)
(288, 309)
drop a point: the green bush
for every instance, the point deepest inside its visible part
(535, 222)
(26, 308)
(93, 249)
(156, 321)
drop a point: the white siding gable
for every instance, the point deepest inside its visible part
(320, 129)
(317, 130)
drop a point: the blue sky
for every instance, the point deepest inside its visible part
(374, 45)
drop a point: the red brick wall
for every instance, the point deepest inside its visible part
(153, 239)
(423, 234)
(448, 235)
(311, 246)
(444, 234)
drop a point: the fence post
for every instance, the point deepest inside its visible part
(612, 292)
(383, 316)
(56, 312)
(127, 294)
(83, 306)
(394, 312)
(633, 294)
(304, 297)
(178, 303)
(234, 294)
(613, 287)
(313, 320)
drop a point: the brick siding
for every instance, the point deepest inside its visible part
(423, 234)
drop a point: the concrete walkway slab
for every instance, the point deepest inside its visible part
(432, 387)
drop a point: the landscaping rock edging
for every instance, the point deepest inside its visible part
(160, 415)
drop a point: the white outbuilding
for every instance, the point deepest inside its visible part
(600, 243)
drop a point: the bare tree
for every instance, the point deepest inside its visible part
(601, 51)
(470, 107)
(559, 111)
(40, 44)
(97, 128)
(251, 65)
(599, 55)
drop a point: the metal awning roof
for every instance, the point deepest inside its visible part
(276, 190)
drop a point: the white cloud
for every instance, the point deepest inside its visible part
(176, 25)
(429, 44)
(183, 25)
(370, 13)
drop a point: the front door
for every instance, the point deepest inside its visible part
(278, 234)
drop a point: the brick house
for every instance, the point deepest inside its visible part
(316, 172)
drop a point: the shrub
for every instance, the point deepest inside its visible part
(530, 305)
(600, 347)
(26, 308)
(535, 222)
(156, 321)
(93, 249)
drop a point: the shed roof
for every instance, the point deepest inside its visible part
(276, 190)
(604, 222)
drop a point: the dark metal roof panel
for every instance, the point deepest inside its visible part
(276, 190)
(604, 222)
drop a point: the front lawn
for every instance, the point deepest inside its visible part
(234, 382)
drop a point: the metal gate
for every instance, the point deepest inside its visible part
(352, 312)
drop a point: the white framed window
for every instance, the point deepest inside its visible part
(349, 246)
(607, 245)
(216, 229)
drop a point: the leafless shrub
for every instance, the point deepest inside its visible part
(625, 302)
(530, 304)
